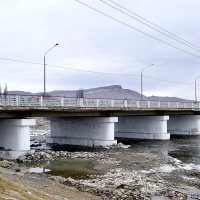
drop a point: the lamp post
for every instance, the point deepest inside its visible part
(45, 68)
(196, 88)
(141, 80)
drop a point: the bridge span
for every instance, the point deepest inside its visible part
(94, 122)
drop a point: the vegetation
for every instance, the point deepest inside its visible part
(5, 91)
(80, 93)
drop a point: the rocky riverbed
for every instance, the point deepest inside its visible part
(126, 175)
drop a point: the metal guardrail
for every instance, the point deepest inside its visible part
(67, 102)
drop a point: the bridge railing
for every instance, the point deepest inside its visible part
(40, 101)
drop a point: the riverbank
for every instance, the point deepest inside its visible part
(16, 185)
(126, 175)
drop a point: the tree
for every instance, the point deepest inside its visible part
(80, 93)
(5, 91)
(0, 89)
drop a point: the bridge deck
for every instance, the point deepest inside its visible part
(34, 106)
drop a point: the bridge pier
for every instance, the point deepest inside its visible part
(142, 127)
(83, 131)
(15, 134)
(184, 124)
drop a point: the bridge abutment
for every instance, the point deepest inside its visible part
(184, 124)
(15, 133)
(142, 127)
(83, 131)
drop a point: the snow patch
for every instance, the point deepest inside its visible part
(171, 168)
(190, 166)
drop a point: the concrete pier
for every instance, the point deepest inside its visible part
(142, 127)
(83, 131)
(15, 134)
(184, 124)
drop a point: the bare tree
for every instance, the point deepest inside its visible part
(5, 91)
(80, 93)
(0, 92)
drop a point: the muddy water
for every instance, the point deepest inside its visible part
(74, 168)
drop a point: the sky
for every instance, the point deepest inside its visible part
(108, 41)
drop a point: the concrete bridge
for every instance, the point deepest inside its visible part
(94, 122)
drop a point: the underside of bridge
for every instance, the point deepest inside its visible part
(13, 113)
(97, 130)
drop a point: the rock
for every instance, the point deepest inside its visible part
(171, 194)
(28, 192)
(21, 158)
(57, 154)
(6, 163)
(18, 170)
(120, 145)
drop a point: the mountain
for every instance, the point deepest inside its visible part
(157, 98)
(111, 92)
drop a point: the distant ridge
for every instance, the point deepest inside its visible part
(111, 92)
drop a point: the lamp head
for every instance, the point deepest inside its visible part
(56, 44)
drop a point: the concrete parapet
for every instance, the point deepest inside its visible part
(142, 127)
(83, 131)
(184, 124)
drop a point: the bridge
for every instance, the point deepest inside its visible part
(94, 122)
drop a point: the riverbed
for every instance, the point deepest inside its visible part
(136, 169)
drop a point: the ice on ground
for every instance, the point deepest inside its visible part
(190, 166)
(188, 178)
(171, 168)
(162, 169)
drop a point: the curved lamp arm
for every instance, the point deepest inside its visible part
(45, 69)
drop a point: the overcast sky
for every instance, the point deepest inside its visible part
(91, 41)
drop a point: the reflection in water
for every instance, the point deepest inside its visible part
(184, 148)
(24, 168)
(74, 168)
(188, 149)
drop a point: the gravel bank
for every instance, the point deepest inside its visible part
(127, 175)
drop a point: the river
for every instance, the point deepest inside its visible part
(157, 167)
(184, 148)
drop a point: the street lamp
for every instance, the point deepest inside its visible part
(45, 68)
(141, 80)
(196, 88)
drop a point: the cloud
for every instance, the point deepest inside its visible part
(91, 41)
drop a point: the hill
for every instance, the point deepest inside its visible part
(111, 92)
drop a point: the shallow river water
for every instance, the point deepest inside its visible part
(184, 148)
